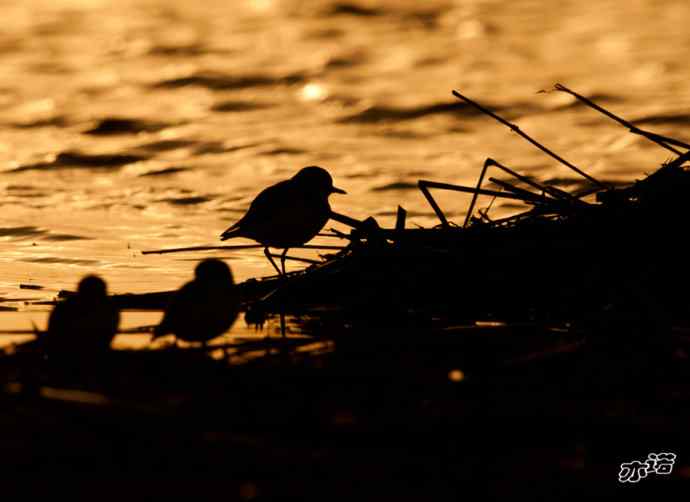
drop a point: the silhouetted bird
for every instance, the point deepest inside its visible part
(288, 213)
(203, 308)
(83, 324)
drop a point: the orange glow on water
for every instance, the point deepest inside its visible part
(456, 375)
(141, 125)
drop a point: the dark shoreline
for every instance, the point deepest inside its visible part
(377, 419)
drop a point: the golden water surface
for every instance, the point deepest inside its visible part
(138, 124)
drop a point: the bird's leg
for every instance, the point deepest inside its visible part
(283, 331)
(282, 311)
(270, 258)
(282, 259)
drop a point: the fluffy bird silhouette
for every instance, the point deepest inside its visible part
(287, 214)
(204, 308)
(85, 323)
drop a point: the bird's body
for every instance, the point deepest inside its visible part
(204, 308)
(289, 213)
(282, 217)
(83, 324)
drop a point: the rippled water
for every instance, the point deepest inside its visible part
(132, 125)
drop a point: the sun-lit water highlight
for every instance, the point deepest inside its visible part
(456, 375)
(128, 126)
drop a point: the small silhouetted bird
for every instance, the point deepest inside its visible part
(204, 308)
(288, 213)
(85, 323)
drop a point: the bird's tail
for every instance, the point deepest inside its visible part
(233, 231)
(159, 331)
(37, 332)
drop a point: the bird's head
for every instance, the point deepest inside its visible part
(315, 179)
(92, 287)
(213, 271)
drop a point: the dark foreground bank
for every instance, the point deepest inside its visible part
(496, 408)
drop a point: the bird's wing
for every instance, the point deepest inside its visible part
(56, 320)
(57, 325)
(175, 310)
(262, 208)
(114, 317)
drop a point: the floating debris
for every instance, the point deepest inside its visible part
(30, 286)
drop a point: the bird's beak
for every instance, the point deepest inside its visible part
(338, 190)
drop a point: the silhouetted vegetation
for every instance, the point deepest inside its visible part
(501, 353)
